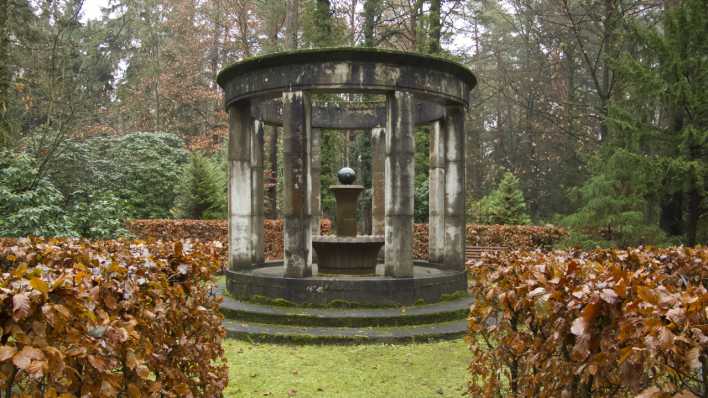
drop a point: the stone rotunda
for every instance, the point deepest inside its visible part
(277, 90)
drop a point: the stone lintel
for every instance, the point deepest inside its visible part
(345, 116)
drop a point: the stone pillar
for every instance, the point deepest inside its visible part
(436, 194)
(454, 257)
(399, 185)
(257, 193)
(241, 126)
(378, 158)
(316, 168)
(297, 229)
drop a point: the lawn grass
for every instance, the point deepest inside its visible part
(421, 370)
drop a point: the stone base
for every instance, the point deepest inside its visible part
(347, 255)
(267, 282)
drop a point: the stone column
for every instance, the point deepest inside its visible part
(257, 193)
(378, 158)
(241, 126)
(399, 186)
(297, 229)
(316, 169)
(436, 194)
(454, 257)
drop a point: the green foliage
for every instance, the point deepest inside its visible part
(139, 169)
(320, 28)
(91, 186)
(99, 216)
(332, 142)
(614, 203)
(200, 193)
(504, 205)
(142, 169)
(30, 205)
(421, 208)
(422, 172)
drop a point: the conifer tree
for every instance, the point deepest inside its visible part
(506, 205)
(199, 196)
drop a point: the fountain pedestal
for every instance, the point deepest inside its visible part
(346, 253)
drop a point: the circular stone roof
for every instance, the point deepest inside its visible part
(369, 69)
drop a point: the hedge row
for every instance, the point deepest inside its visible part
(593, 324)
(511, 236)
(109, 318)
(514, 236)
(212, 230)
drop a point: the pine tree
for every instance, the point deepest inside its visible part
(506, 205)
(200, 195)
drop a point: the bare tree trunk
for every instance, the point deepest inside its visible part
(291, 24)
(4, 72)
(435, 27)
(352, 22)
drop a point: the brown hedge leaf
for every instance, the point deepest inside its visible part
(6, 352)
(20, 306)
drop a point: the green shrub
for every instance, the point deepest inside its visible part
(504, 205)
(200, 192)
(29, 205)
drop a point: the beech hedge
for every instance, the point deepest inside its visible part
(512, 236)
(604, 323)
(109, 318)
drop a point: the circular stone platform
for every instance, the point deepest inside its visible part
(268, 282)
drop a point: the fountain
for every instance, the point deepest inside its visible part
(347, 253)
(301, 295)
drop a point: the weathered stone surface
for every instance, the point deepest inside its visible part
(454, 255)
(346, 197)
(337, 70)
(427, 283)
(353, 255)
(315, 170)
(419, 89)
(378, 159)
(399, 185)
(296, 185)
(436, 194)
(241, 127)
(344, 116)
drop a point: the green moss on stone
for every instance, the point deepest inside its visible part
(343, 54)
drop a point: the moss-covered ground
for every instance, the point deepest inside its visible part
(421, 370)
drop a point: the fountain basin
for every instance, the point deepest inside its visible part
(347, 255)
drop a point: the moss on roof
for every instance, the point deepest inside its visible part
(362, 54)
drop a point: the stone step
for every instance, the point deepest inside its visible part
(345, 317)
(337, 335)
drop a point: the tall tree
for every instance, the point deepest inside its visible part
(435, 27)
(291, 24)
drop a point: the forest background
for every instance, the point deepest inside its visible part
(592, 114)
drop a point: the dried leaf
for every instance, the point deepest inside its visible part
(579, 326)
(39, 284)
(651, 392)
(23, 359)
(609, 296)
(20, 306)
(6, 352)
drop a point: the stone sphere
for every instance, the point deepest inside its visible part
(346, 175)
